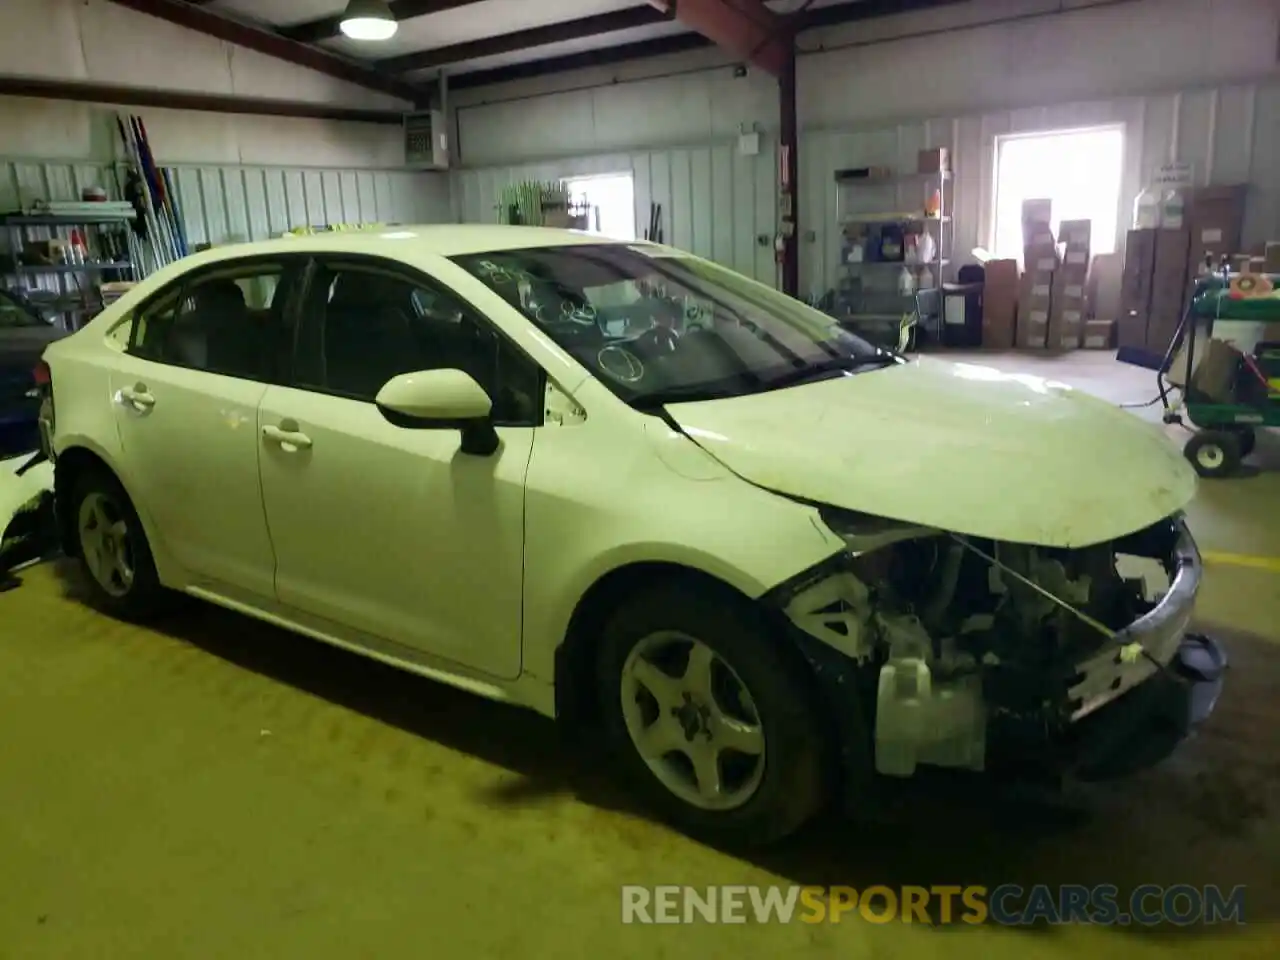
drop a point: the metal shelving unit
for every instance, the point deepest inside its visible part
(874, 214)
(73, 297)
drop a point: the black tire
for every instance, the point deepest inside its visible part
(143, 598)
(793, 784)
(1213, 453)
(1247, 439)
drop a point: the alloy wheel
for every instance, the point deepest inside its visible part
(693, 721)
(104, 544)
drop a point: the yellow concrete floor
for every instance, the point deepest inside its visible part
(227, 790)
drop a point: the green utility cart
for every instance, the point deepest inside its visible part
(1247, 394)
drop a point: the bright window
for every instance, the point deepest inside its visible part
(611, 198)
(1079, 170)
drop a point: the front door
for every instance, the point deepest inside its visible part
(186, 396)
(391, 531)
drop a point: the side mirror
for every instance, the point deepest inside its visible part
(441, 400)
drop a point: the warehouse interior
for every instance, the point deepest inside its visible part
(1031, 185)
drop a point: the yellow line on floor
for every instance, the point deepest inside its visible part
(1214, 558)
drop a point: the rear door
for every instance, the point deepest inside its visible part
(201, 355)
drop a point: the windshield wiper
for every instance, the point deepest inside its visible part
(828, 369)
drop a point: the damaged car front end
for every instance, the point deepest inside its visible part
(942, 650)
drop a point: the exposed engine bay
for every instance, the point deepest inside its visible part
(982, 654)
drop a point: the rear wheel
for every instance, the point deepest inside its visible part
(113, 549)
(710, 717)
(1214, 453)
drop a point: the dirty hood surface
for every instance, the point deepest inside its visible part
(959, 447)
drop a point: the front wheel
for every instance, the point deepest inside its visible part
(1213, 453)
(710, 716)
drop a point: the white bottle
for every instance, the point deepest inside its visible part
(906, 283)
(1146, 210)
(1171, 209)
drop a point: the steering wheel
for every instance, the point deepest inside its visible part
(583, 315)
(620, 364)
(659, 339)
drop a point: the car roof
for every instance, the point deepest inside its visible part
(442, 239)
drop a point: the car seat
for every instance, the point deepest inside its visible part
(368, 333)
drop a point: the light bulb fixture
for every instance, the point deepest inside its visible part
(368, 20)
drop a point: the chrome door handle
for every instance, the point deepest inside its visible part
(290, 441)
(136, 397)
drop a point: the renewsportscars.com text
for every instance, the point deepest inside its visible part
(1005, 905)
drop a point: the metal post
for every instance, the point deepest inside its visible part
(788, 171)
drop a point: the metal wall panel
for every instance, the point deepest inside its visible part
(715, 201)
(223, 204)
(1230, 133)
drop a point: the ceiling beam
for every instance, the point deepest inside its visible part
(581, 29)
(274, 45)
(326, 28)
(745, 28)
(122, 96)
(602, 57)
(865, 10)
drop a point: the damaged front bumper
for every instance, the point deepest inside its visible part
(1123, 705)
(1134, 701)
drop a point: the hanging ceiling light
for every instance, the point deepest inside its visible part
(368, 20)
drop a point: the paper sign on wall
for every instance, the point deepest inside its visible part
(1176, 175)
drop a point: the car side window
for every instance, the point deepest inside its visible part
(364, 325)
(227, 321)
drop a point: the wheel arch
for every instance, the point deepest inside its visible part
(575, 655)
(74, 459)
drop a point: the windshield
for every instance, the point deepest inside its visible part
(15, 314)
(658, 327)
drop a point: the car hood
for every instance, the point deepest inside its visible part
(953, 446)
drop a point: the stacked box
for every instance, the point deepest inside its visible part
(1070, 294)
(1099, 335)
(1039, 263)
(999, 304)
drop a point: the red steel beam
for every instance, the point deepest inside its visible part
(746, 28)
(273, 45)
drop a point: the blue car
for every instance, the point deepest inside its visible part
(23, 336)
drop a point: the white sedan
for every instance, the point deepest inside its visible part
(633, 490)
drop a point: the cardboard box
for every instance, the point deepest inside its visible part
(1036, 213)
(1035, 309)
(1070, 286)
(999, 304)
(1135, 288)
(1033, 326)
(1098, 335)
(1215, 219)
(1170, 287)
(1216, 365)
(1102, 289)
(933, 160)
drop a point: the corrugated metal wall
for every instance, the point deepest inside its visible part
(222, 204)
(716, 202)
(1231, 134)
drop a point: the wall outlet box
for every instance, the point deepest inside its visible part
(749, 144)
